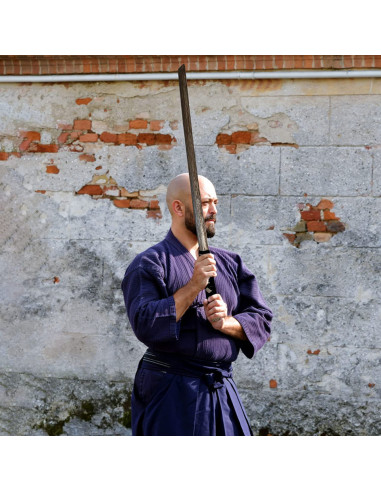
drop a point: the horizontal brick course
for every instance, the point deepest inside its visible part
(77, 64)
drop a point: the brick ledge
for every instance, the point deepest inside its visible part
(113, 64)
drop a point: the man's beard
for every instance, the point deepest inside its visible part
(190, 223)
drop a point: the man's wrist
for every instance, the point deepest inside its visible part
(232, 327)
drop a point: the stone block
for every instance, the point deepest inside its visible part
(300, 120)
(326, 171)
(376, 172)
(319, 269)
(354, 120)
(253, 172)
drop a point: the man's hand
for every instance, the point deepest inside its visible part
(204, 267)
(216, 313)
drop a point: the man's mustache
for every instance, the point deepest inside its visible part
(211, 217)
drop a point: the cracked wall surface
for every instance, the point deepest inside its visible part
(84, 170)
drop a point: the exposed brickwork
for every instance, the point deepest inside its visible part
(77, 136)
(317, 223)
(77, 64)
(105, 187)
(240, 140)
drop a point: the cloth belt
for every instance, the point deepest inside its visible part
(215, 375)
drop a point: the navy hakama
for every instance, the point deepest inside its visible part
(176, 396)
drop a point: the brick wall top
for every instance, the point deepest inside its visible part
(76, 64)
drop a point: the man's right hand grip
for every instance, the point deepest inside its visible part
(210, 289)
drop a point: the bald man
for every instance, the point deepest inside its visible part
(183, 385)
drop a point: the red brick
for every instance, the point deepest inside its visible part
(138, 124)
(147, 138)
(90, 190)
(74, 135)
(308, 62)
(316, 352)
(36, 147)
(52, 169)
(223, 139)
(290, 237)
(82, 124)
(141, 204)
(323, 204)
(154, 214)
(32, 136)
(87, 158)
(122, 203)
(273, 383)
(88, 137)
(241, 137)
(108, 137)
(328, 215)
(316, 226)
(84, 100)
(162, 139)
(153, 204)
(310, 215)
(29, 137)
(335, 226)
(4, 156)
(126, 139)
(24, 145)
(232, 149)
(156, 125)
(63, 137)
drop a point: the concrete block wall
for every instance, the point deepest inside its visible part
(84, 169)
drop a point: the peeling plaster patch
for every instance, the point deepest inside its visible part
(243, 130)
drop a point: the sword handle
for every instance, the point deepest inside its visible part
(210, 288)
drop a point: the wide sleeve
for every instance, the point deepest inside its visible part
(151, 311)
(252, 312)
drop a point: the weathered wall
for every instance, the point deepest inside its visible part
(84, 168)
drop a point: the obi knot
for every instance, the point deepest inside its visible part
(214, 380)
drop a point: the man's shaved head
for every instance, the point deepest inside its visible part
(179, 189)
(179, 202)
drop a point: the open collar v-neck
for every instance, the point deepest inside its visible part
(172, 239)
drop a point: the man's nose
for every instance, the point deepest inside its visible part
(213, 209)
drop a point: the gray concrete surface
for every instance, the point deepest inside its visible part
(67, 353)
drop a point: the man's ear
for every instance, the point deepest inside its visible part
(178, 208)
